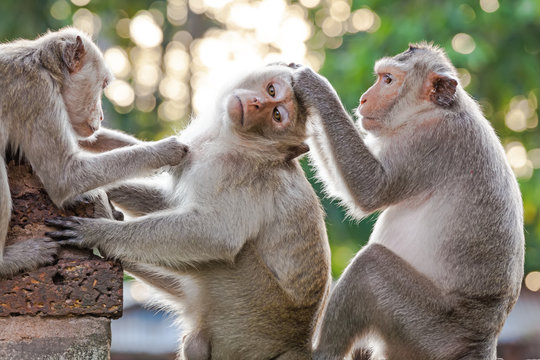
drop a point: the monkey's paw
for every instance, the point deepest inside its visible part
(172, 150)
(28, 255)
(70, 231)
(311, 88)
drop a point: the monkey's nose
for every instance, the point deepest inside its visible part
(255, 102)
(362, 100)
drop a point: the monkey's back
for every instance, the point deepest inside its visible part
(23, 76)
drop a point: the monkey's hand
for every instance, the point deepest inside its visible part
(171, 150)
(315, 91)
(72, 231)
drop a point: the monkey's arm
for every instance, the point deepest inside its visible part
(323, 158)
(107, 139)
(68, 172)
(140, 197)
(361, 178)
(178, 238)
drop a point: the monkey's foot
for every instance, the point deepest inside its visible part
(28, 255)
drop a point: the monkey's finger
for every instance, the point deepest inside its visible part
(61, 223)
(74, 219)
(62, 235)
(71, 242)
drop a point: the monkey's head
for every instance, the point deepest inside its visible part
(421, 78)
(263, 109)
(85, 75)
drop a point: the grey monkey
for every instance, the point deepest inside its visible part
(51, 97)
(235, 238)
(444, 263)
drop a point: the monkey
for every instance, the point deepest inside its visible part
(234, 238)
(444, 263)
(51, 98)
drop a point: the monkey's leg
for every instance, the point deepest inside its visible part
(28, 255)
(5, 204)
(25, 255)
(140, 198)
(381, 292)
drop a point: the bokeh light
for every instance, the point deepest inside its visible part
(463, 43)
(489, 6)
(362, 20)
(85, 20)
(464, 77)
(517, 157)
(117, 60)
(60, 10)
(310, 3)
(522, 113)
(120, 93)
(532, 281)
(340, 10)
(80, 3)
(144, 30)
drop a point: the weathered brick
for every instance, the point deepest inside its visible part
(79, 283)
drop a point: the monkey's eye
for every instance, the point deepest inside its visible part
(271, 90)
(276, 115)
(387, 78)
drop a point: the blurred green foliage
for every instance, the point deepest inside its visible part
(505, 63)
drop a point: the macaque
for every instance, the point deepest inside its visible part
(51, 97)
(235, 238)
(444, 263)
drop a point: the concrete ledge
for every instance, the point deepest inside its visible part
(39, 338)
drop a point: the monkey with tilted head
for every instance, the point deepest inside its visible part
(444, 263)
(234, 238)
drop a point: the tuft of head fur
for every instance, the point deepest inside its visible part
(424, 57)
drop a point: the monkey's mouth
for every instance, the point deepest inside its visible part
(370, 123)
(241, 110)
(85, 130)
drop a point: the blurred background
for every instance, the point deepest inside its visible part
(169, 55)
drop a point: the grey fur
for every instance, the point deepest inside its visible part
(235, 242)
(451, 296)
(43, 98)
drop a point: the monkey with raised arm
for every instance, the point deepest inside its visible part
(444, 264)
(51, 98)
(236, 239)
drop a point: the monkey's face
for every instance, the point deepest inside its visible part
(83, 89)
(378, 100)
(264, 103)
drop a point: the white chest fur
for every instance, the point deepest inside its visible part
(413, 231)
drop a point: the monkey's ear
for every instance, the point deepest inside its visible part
(441, 89)
(294, 66)
(296, 151)
(73, 55)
